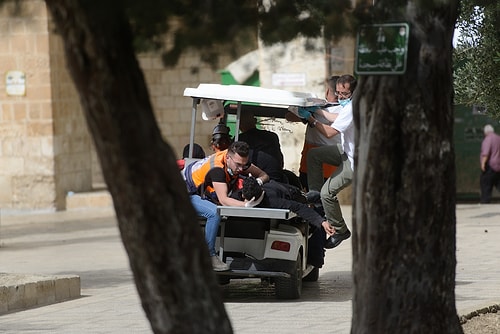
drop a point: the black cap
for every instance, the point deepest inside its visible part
(220, 129)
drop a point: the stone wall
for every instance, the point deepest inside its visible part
(46, 150)
(26, 122)
(72, 141)
(172, 108)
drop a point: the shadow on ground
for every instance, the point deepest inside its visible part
(334, 286)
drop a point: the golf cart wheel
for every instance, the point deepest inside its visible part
(312, 276)
(290, 288)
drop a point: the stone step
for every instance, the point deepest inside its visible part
(91, 199)
(21, 291)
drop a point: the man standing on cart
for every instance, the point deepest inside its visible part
(341, 155)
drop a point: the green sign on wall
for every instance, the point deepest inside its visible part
(382, 49)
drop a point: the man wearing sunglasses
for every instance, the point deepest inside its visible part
(341, 155)
(210, 182)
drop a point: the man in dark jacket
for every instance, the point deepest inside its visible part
(260, 140)
(283, 196)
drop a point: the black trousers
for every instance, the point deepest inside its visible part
(489, 179)
(316, 248)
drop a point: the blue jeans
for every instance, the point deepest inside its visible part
(208, 210)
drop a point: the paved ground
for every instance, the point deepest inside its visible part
(86, 243)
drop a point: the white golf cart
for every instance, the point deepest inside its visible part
(258, 242)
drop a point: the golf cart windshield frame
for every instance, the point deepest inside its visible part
(276, 101)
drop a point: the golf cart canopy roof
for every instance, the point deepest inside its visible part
(241, 93)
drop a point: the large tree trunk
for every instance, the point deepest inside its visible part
(404, 191)
(159, 229)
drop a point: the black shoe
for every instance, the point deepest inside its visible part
(336, 239)
(313, 196)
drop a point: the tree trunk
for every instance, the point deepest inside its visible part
(404, 189)
(158, 226)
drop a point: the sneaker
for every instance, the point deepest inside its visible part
(218, 265)
(336, 239)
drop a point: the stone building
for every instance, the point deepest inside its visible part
(46, 151)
